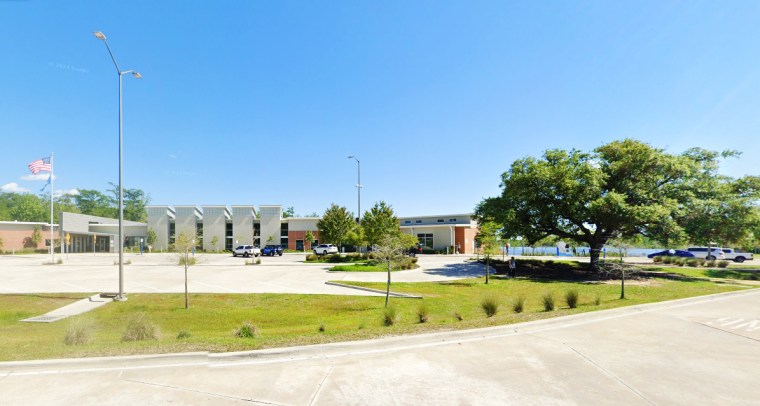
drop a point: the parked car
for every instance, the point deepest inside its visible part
(272, 250)
(246, 251)
(671, 253)
(735, 255)
(324, 249)
(707, 252)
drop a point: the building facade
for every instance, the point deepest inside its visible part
(223, 228)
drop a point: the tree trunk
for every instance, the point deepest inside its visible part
(388, 286)
(187, 301)
(622, 283)
(487, 268)
(594, 252)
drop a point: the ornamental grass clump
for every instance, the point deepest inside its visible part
(657, 260)
(598, 299)
(490, 306)
(710, 263)
(139, 328)
(423, 313)
(723, 264)
(667, 260)
(390, 316)
(78, 332)
(246, 330)
(183, 335)
(518, 304)
(548, 300)
(571, 298)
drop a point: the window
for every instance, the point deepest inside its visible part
(299, 245)
(284, 229)
(407, 221)
(418, 221)
(256, 229)
(440, 220)
(425, 239)
(452, 220)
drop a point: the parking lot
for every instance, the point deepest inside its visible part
(213, 273)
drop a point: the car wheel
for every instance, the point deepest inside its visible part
(234, 254)
(281, 254)
(710, 258)
(739, 259)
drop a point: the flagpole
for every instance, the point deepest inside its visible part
(52, 188)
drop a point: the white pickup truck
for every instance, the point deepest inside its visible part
(736, 256)
(720, 253)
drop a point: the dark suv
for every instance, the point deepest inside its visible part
(272, 250)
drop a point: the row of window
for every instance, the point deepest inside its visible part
(437, 221)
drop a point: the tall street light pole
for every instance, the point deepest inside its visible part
(358, 185)
(99, 35)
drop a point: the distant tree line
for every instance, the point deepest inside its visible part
(36, 208)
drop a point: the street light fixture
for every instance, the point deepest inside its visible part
(358, 186)
(99, 35)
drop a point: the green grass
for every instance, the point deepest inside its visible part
(286, 320)
(730, 273)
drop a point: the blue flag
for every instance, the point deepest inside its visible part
(48, 182)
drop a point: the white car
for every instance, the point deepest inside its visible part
(246, 251)
(324, 249)
(708, 253)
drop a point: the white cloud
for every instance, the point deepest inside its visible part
(172, 156)
(39, 176)
(70, 192)
(13, 188)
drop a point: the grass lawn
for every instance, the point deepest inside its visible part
(286, 320)
(725, 273)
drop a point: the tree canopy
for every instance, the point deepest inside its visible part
(378, 222)
(621, 189)
(335, 225)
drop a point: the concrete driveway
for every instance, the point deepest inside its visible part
(698, 351)
(214, 273)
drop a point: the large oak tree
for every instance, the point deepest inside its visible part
(621, 189)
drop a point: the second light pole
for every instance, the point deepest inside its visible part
(99, 35)
(358, 186)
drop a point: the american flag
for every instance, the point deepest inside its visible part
(40, 165)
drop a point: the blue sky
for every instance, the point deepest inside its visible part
(261, 102)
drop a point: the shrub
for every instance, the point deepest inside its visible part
(312, 258)
(667, 260)
(321, 327)
(490, 306)
(422, 313)
(571, 298)
(78, 332)
(183, 334)
(598, 299)
(258, 261)
(407, 263)
(139, 328)
(518, 304)
(657, 260)
(458, 316)
(723, 264)
(679, 261)
(59, 261)
(246, 330)
(695, 262)
(390, 316)
(190, 261)
(548, 300)
(710, 263)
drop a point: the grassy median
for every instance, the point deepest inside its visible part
(277, 320)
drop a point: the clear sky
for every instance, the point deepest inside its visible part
(261, 102)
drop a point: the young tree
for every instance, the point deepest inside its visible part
(378, 222)
(335, 224)
(621, 189)
(151, 237)
(183, 244)
(310, 239)
(489, 239)
(36, 237)
(215, 241)
(390, 248)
